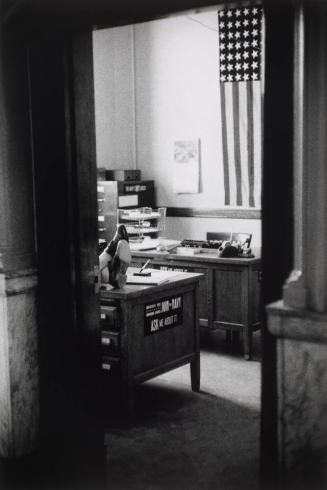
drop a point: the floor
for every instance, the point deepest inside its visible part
(184, 440)
(177, 439)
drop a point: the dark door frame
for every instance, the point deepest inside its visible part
(76, 19)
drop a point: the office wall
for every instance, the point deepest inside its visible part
(177, 98)
(114, 92)
(171, 92)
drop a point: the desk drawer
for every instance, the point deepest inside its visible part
(110, 364)
(110, 340)
(109, 317)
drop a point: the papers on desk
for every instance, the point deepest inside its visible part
(152, 244)
(188, 250)
(157, 277)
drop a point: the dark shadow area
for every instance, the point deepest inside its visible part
(59, 467)
(215, 341)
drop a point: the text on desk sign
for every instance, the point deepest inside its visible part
(135, 188)
(163, 314)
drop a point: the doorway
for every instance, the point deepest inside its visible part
(141, 74)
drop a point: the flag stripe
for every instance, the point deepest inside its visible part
(224, 144)
(230, 141)
(243, 142)
(257, 142)
(249, 87)
(236, 119)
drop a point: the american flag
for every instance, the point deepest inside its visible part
(241, 106)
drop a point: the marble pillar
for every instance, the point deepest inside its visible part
(19, 383)
(299, 320)
(302, 383)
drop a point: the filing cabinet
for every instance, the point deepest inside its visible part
(114, 195)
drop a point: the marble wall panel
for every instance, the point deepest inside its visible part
(302, 393)
(19, 379)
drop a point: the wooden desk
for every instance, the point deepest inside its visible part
(229, 291)
(149, 330)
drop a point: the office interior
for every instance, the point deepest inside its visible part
(60, 82)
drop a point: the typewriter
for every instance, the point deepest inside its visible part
(236, 245)
(201, 243)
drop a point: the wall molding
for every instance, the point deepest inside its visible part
(299, 324)
(18, 282)
(213, 213)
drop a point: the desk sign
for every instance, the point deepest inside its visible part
(163, 314)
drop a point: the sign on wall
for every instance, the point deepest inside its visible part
(163, 314)
(186, 167)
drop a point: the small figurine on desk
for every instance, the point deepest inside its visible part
(115, 259)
